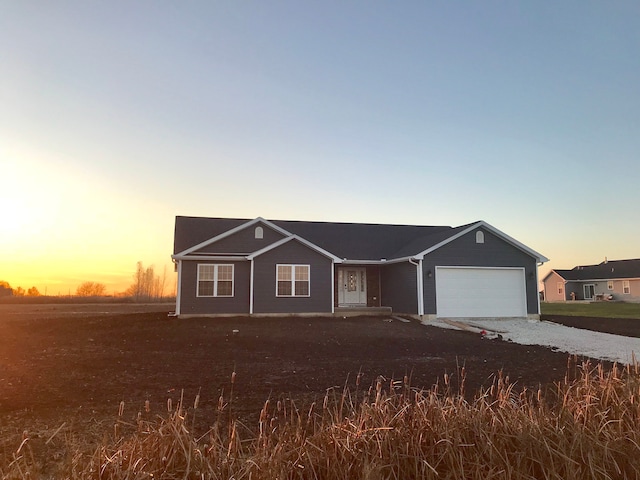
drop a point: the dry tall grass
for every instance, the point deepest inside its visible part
(586, 427)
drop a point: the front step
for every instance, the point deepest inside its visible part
(358, 311)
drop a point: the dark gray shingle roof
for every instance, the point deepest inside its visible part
(603, 271)
(357, 241)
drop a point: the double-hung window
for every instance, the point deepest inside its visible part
(626, 287)
(292, 280)
(215, 280)
(610, 285)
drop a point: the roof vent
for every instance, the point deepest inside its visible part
(605, 260)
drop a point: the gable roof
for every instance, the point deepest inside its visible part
(603, 271)
(352, 241)
(284, 240)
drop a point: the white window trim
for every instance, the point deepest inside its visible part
(215, 280)
(293, 279)
(560, 288)
(610, 285)
(626, 287)
(479, 236)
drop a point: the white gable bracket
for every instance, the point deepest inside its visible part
(231, 232)
(299, 239)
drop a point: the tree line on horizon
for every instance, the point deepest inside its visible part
(147, 285)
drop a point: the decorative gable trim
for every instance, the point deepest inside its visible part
(540, 258)
(231, 232)
(306, 243)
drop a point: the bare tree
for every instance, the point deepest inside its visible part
(91, 289)
(146, 284)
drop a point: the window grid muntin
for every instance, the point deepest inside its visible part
(293, 280)
(626, 287)
(215, 280)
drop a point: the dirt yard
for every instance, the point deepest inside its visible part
(628, 327)
(70, 367)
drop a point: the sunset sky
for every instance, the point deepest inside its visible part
(117, 116)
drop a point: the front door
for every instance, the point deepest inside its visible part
(589, 291)
(352, 286)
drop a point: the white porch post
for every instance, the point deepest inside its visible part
(251, 289)
(333, 286)
(179, 287)
(420, 289)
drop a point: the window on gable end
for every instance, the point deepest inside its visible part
(479, 236)
(259, 233)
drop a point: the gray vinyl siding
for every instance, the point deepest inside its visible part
(575, 287)
(399, 287)
(494, 252)
(293, 252)
(191, 304)
(600, 288)
(243, 241)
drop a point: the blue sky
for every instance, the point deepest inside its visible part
(117, 116)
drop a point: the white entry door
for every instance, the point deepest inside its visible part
(352, 286)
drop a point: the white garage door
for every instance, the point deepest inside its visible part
(480, 292)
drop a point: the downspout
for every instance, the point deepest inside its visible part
(419, 284)
(179, 289)
(251, 289)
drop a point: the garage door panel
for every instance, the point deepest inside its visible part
(480, 292)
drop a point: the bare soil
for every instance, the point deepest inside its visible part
(70, 367)
(627, 327)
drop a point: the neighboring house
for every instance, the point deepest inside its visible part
(615, 280)
(236, 267)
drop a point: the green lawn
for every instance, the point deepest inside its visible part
(597, 309)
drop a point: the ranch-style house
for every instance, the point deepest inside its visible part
(230, 266)
(609, 280)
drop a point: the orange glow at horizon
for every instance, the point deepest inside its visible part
(60, 229)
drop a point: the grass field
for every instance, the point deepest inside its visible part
(585, 427)
(596, 309)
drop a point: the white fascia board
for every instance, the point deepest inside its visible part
(363, 262)
(232, 231)
(299, 239)
(226, 258)
(378, 262)
(540, 258)
(385, 261)
(402, 259)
